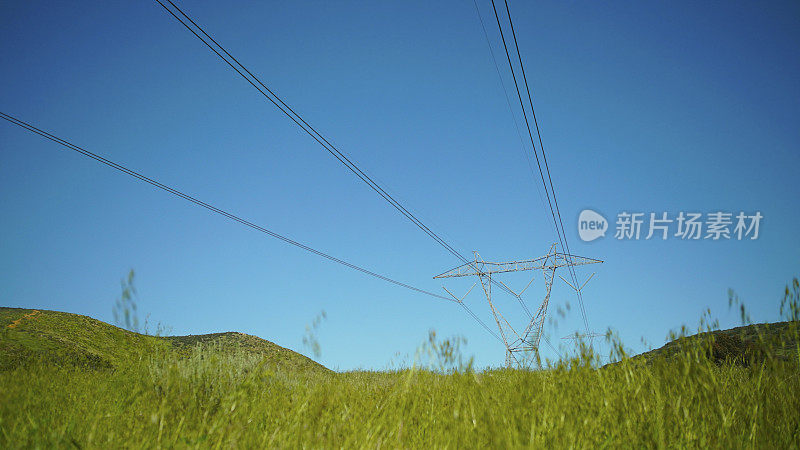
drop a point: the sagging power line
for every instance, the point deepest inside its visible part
(200, 33)
(549, 190)
(229, 215)
(212, 208)
(270, 95)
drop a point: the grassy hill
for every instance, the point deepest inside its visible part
(745, 345)
(60, 338)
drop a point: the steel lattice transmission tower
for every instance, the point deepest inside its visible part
(529, 340)
(583, 338)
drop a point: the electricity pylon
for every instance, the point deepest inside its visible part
(584, 337)
(529, 340)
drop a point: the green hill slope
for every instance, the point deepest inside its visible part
(60, 338)
(741, 345)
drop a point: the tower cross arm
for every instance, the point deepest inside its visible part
(563, 259)
(552, 260)
(464, 270)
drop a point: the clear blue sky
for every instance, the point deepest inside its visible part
(643, 106)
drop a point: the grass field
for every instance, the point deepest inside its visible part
(72, 381)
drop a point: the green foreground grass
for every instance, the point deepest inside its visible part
(209, 396)
(210, 399)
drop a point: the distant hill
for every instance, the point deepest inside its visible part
(741, 345)
(28, 335)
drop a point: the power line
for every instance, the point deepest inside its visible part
(557, 222)
(224, 213)
(269, 94)
(212, 208)
(525, 116)
(297, 119)
(544, 158)
(474, 316)
(519, 134)
(508, 102)
(565, 244)
(516, 124)
(547, 341)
